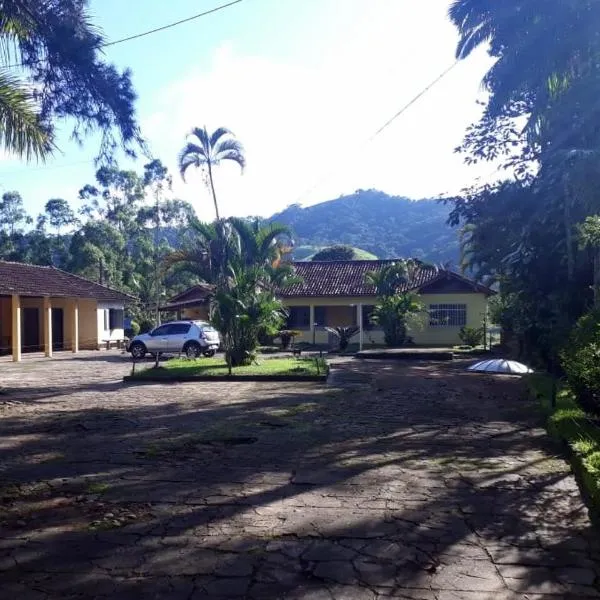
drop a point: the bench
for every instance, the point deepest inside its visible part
(119, 343)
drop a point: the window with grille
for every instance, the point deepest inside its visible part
(447, 315)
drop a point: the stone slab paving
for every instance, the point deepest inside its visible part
(397, 480)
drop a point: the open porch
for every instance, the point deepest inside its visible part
(46, 324)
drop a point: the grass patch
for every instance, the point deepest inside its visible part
(216, 367)
(568, 422)
(97, 488)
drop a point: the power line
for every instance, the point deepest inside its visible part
(174, 24)
(136, 36)
(383, 127)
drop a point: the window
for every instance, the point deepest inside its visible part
(179, 328)
(162, 330)
(299, 317)
(105, 316)
(447, 315)
(116, 318)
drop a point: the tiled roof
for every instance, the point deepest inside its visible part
(199, 292)
(35, 280)
(347, 278)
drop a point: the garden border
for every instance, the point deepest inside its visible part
(220, 378)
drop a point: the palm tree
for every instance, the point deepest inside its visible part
(208, 151)
(264, 244)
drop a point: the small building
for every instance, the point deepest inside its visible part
(47, 309)
(193, 303)
(335, 293)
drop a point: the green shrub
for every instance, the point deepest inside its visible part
(471, 336)
(146, 325)
(133, 330)
(581, 361)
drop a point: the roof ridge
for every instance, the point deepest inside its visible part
(81, 278)
(25, 264)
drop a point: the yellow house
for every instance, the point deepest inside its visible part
(335, 293)
(44, 308)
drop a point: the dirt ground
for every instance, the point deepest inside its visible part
(401, 480)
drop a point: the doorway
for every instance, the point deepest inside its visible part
(58, 330)
(30, 330)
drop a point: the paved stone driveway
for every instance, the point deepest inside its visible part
(406, 481)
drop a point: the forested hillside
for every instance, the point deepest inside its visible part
(387, 226)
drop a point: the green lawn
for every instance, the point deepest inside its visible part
(216, 367)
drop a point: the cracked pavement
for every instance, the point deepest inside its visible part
(396, 480)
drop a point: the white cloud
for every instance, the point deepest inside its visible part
(304, 124)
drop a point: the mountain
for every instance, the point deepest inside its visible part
(387, 226)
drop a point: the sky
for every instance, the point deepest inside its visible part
(303, 84)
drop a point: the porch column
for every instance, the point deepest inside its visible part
(75, 326)
(47, 324)
(312, 322)
(359, 320)
(16, 327)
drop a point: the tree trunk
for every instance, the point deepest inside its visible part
(212, 189)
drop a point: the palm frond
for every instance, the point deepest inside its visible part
(21, 130)
(230, 149)
(190, 155)
(217, 134)
(201, 134)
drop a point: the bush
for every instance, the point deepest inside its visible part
(471, 336)
(581, 361)
(146, 325)
(133, 330)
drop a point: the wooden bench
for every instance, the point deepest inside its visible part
(119, 343)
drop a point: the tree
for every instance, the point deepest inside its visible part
(57, 48)
(13, 216)
(208, 151)
(589, 236)
(156, 177)
(394, 307)
(335, 253)
(59, 214)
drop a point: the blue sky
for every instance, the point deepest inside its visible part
(303, 84)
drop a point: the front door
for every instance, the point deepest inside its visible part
(58, 329)
(30, 330)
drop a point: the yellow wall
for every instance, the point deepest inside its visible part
(340, 316)
(196, 313)
(339, 312)
(88, 324)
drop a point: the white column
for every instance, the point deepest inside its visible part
(47, 321)
(312, 322)
(75, 326)
(359, 320)
(16, 328)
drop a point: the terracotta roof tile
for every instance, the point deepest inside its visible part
(35, 280)
(347, 278)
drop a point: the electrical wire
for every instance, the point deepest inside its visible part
(136, 36)
(385, 125)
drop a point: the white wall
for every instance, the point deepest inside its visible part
(108, 334)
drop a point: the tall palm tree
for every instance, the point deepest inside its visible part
(207, 151)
